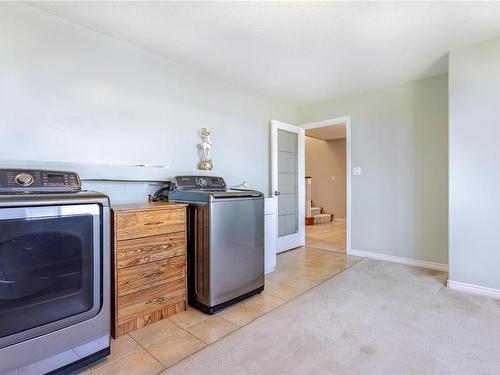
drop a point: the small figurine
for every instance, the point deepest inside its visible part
(206, 145)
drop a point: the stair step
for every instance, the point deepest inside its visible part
(322, 218)
(315, 211)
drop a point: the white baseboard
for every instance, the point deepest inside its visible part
(390, 258)
(269, 270)
(474, 289)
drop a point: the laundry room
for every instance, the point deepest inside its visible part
(257, 187)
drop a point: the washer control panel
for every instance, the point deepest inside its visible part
(38, 181)
(208, 183)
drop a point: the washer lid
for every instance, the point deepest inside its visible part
(206, 196)
(236, 193)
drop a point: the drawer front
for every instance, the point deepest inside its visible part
(146, 276)
(150, 249)
(139, 224)
(148, 301)
(144, 320)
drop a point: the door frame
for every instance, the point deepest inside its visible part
(333, 122)
(298, 239)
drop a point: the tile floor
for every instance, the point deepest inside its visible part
(329, 236)
(156, 347)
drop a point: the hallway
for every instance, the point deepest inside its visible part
(328, 236)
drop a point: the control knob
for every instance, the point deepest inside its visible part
(24, 179)
(202, 182)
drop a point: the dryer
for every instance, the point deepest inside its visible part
(54, 273)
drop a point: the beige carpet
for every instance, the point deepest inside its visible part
(374, 318)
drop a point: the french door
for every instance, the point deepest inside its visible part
(287, 153)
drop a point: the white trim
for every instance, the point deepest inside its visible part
(474, 289)
(329, 122)
(270, 236)
(340, 121)
(269, 270)
(270, 205)
(391, 258)
(296, 239)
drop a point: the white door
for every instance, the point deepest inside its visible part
(287, 150)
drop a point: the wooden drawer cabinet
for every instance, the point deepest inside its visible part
(149, 264)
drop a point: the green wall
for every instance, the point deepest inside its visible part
(399, 138)
(475, 164)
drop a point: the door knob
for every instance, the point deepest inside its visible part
(277, 193)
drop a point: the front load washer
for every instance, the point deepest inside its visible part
(54, 273)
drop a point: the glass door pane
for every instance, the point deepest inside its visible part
(46, 270)
(288, 204)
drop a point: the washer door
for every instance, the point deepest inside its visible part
(49, 269)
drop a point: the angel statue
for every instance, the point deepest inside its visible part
(206, 145)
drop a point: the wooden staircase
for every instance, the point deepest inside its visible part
(318, 217)
(314, 215)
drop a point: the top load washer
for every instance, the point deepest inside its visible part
(225, 241)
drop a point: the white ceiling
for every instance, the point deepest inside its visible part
(328, 132)
(303, 51)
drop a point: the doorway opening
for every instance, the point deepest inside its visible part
(300, 267)
(327, 195)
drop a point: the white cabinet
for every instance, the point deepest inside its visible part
(270, 233)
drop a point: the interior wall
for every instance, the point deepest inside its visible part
(474, 86)
(326, 165)
(69, 94)
(399, 139)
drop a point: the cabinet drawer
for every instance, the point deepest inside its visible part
(149, 301)
(137, 224)
(146, 276)
(150, 249)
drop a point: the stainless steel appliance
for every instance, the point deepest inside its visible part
(225, 241)
(54, 273)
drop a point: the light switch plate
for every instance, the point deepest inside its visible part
(356, 171)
